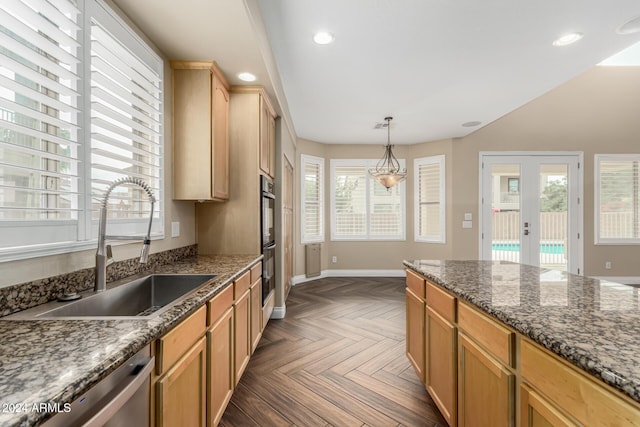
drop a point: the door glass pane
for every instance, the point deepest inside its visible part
(505, 212)
(554, 233)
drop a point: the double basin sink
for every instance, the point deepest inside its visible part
(139, 297)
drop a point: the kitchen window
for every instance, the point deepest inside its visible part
(429, 187)
(361, 208)
(617, 204)
(312, 199)
(80, 106)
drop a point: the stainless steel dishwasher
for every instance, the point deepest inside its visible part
(120, 400)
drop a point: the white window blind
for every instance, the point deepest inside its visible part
(361, 208)
(617, 199)
(312, 199)
(126, 124)
(74, 116)
(429, 199)
(39, 122)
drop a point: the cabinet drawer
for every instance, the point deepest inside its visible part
(242, 285)
(219, 304)
(441, 302)
(175, 343)
(256, 271)
(581, 397)
(494, 337)
(416, 284)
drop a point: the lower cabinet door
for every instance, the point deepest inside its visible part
(220, 353)
(441, 364)
(535, 411)
(416, 332)
(181, 392)
(485, 388)
(256, 314)
(242, 333)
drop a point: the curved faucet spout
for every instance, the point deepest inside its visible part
(103, 257)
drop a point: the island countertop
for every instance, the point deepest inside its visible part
(55, 361)
(593, 324)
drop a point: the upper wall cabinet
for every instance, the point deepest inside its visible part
(267, 137)
(200, 131)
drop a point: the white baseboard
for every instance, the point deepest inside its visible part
(278, 312)
(348, 273)
(627, 280)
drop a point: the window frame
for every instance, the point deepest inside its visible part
(366, 237)
(598, 159)
(85, 227)
(318, 161)
(417, 163)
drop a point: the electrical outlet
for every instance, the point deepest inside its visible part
(607, 265)
(175, 229)
(334, 259)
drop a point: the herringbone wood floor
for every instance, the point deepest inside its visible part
(337, 359)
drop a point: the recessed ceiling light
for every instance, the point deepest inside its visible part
(568, 39)
(630, 27)
(471, 124)
(323, 37)
(247, 77)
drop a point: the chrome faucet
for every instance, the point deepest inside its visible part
(103, 255)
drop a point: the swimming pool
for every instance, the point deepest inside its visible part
(545, 248)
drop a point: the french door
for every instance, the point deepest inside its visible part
(530, 209)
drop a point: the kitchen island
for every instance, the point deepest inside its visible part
(52, 362)
(538, 330)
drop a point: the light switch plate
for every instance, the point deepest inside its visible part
(468, 217)
(175, 229)
(467, 224)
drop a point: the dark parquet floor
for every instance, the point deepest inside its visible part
(337, 359)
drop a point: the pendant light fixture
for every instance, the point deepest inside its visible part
(387, 172)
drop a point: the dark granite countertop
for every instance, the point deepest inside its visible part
(591, 323)
(55, 361)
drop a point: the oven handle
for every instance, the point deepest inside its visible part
(106, 412)
(271, 246)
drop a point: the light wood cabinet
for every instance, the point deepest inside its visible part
(482, 355)
(416, 332)
(180, 384)
(234, 227)
(485, 388)
(536, 411)
(200, 131)
(267, 138)
(242, 324)
(220, 383)
(441, 361)
(256, 313)
(242, 341)
(572, 392)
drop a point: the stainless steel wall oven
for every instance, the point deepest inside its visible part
(267, 221)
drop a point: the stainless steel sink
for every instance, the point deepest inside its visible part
(142, 297)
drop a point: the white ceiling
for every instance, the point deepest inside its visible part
(431, 64)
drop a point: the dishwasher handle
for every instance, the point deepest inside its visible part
(135, 381)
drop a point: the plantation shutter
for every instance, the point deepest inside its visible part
(39, 128)
(126, 122)
(619, 198)
(312, 199)
(350, 202)
(385, 211)
(429, 188)
(363, 209)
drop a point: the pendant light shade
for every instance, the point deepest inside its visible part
(387, 172)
